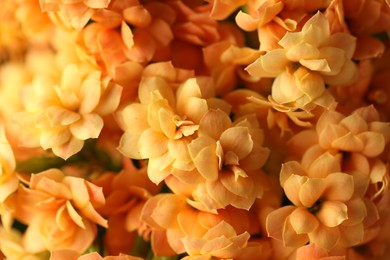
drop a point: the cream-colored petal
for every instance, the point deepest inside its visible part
(302, 51)
(275, 221)
(152, 144)
(320, 65)
(246, 22)
(133, 118)
(324, 165)
(339, 186)
(167, 124)
(311, 191)
(89, 126)
(311, 84)
(357, 212)
(374, 143)
(218, 193)
(290, 168)
(291, 238)
(149, 84)
(74, 215)
(332, 213)
(61, 116)
(335, 59)
(213, 123)
(330, 133)
(237, 140)
(90, 93)
(158, 168)
(55, 137)
(325, 237)
(203, 154)
(348, 142)
(128, 145)
(69, 148)
(292, 187)
(269, 65)
(109, 100)
(285, 89)
(316, 30)
(71, 78)
(348, 74)
(290, 39)
(303, 221)
(354, 123)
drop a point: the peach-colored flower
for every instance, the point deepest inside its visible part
(67, 111)
(327, 209)
(360, 132)
(76, 12)
(65, 254)
(307, 61)
(221, 241)
(128, 31)
(125, 193)
(166, 123)
(176, 225)
(225, 62)
(229, 157)
(59, 211)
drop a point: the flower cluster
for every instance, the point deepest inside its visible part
(194, 130)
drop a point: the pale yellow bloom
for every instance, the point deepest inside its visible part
(161, 126)
(306, 62)
(360, 132)
(221, 241)
(67, 111)
(327, 210)
(229, 157)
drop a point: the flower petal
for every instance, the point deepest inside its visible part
(311, 191)
(89, 126)
(332, 213)
(339, 187)
(303, 221)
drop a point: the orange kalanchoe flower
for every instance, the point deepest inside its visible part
(126, 194)
(178, 227)
(229, 156)
(67, 111)
(221, 242)
(76, 12)
(59, 211)
(307, 61)
(360, 132)
(327, 210)
(161, 126)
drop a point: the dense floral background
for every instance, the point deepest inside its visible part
(195, 130)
